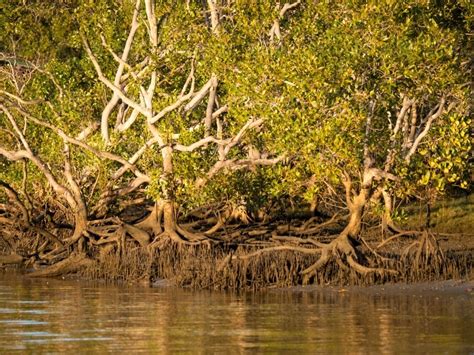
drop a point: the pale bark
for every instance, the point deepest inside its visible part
(275, 30)
(212, 4)
(115, 97)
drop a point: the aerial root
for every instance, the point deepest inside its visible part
(71, 264)
(424, 252)
(343, 252)
(180, 236)
(398, 235)
(273, 249)
(309, 228)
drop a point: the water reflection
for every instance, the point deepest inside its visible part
(50, 316)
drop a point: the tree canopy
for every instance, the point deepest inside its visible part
(252, 105)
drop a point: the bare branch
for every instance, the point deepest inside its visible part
(115, 97)
(112, 86)
(235, 164)
(19, 99)
(128, 123)
(134, 157)
(152, 26)
(275, 30)
(199, 96)
(411, 134)
(170, 108)
(423, 133)
(368, 124)
(214, 16)
(234, 141)
(24, 154)
(86, 132)
(198, 144)
(214, 116)
(210, 106)
(66, 138)
(401, 115)
(15, 128)
(181, 99)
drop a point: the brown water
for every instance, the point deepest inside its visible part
(48, 316)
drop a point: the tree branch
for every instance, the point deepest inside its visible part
(423, 133)
(115, 97)
(275, 30)
(110, 85)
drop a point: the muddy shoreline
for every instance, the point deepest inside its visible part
(224, 266)
(273, 255)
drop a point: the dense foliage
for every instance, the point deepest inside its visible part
(329, 89)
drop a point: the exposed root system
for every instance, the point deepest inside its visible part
(233, 257)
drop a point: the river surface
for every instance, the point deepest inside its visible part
(50, 316)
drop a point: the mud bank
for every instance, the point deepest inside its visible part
(270, 256)
(266, 263)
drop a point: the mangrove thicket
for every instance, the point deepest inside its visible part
(231, 143)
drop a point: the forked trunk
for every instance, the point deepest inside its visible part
(355, 218)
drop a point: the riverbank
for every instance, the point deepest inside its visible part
(277, 253)
(252, 262)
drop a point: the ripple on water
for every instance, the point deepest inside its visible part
(22, 311)
(23, 322)
(28, 302)
(36, 334)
